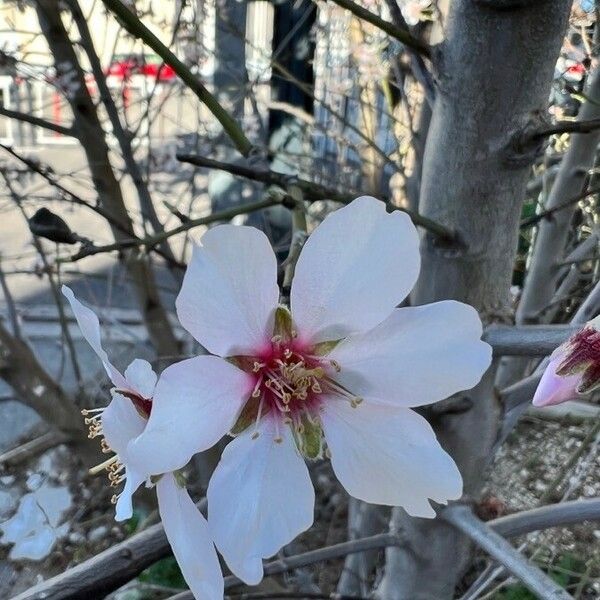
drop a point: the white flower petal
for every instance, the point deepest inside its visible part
(555, 389)
(354, 269)
(389, 455)
(124, 507)
(417, 356)
(121, 423)
(187, 532)
(141, 377)
(90, 328)
(260, 498)
(196, 402)
(229, 291)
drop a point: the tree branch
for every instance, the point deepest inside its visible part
(313, 191)
(115, 566)
(544, 214)
(462, 517)
(392, 30)
(37, 121)
(527, 340)
(134, 26)
(151, 241)
(565, 127)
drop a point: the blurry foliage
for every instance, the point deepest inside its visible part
(166, 573)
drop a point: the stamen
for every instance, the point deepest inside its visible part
(89, 411)
(104, 465)
(256, 391)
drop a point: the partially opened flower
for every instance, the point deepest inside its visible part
(574, 368)
(117, 426)
(339, 372)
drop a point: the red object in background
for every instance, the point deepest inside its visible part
(162, 71)
(133, 65)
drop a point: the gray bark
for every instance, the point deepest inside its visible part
(494, 68)
(552, 234)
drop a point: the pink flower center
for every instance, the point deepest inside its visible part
(289, 380)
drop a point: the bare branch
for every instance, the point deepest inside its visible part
(122, 562)
(37, 121)
(545, 214)
(313, 191)
(462, 517)
(554, 515)
(533, 340)
(402, 35)
(140, 31)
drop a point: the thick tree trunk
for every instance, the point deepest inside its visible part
(494, 69)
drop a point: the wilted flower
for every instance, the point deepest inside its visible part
(117, 425)
(341, 369)
(574, 368)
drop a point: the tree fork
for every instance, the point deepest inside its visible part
(486, 92)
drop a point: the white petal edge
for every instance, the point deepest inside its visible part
(555, 389)
(187, 532)
(229, 291)
(121, 423)
(417, 356)
(90, 329)
(124, 506)
(260, 498)
(354, 269)
(196, 402)
(141, 377)
(389, 455)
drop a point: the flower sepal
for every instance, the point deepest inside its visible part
(308, 435)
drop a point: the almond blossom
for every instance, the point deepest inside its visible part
(337, 375)
(117, 425)
(574, 368)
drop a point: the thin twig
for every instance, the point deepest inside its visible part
(392, 30)
(37, 121)
(134, 26)
(151, 241)
(544, 214)
(570, 463)
(566, 127)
